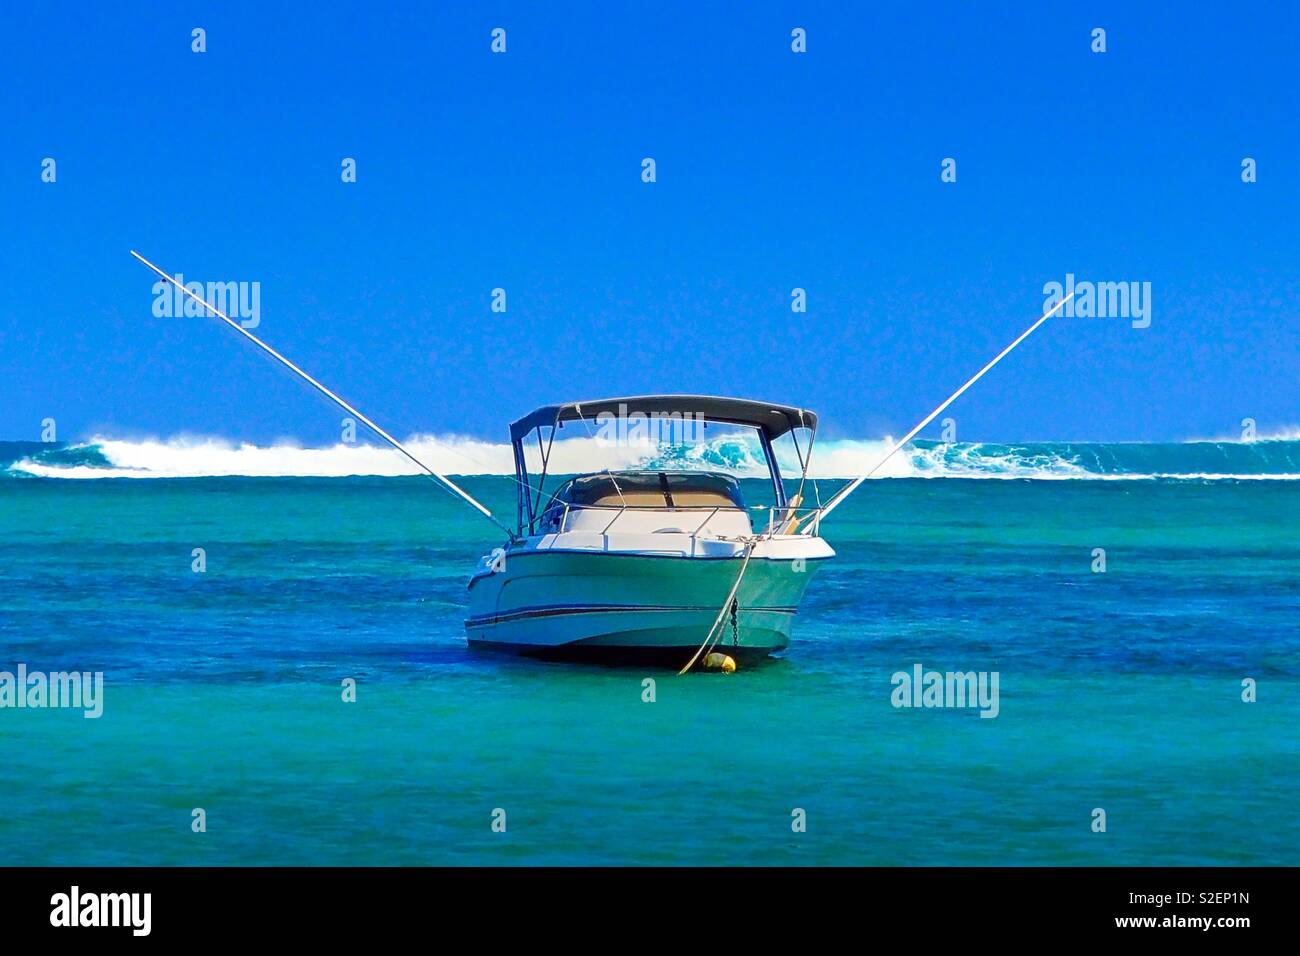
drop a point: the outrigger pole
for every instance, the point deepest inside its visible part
(328, 394)
(817, 517)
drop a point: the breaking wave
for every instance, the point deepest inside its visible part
(1266, 458)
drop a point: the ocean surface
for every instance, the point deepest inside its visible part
(1119, 690)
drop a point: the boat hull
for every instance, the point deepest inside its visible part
(634, 608)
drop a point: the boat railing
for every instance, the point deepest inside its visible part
(786, 520)
(621, 509)
(778, 517)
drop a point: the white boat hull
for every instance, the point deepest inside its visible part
(638, 607)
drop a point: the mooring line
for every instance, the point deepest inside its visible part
(749, 550)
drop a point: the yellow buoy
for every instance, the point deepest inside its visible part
(722, 662)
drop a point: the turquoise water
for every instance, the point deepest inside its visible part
(1119, 690)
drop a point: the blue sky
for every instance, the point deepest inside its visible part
(775, 171)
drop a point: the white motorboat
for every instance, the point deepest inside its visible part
(649, 565)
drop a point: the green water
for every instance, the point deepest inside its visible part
(1118, 690)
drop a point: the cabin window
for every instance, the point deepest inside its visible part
(655, 489)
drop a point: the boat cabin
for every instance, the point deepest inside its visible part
(692, 502)
(665, 501)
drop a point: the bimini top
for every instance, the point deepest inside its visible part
(774, 420)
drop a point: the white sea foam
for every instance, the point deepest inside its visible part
(188, 457)
(213, 457)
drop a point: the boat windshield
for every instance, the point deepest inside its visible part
(652, 489)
